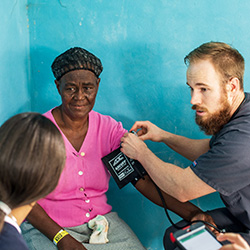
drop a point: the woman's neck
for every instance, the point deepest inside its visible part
(21, 213)
(65, 121)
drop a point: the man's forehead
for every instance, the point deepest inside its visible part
(200, 66)
(202, 72)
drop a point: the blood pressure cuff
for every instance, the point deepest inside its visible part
(123, 169)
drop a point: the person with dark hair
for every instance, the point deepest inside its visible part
(31, 161)
(215, 77)
(65, 217)
(61, 219)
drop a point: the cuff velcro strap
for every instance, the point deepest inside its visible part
(59, 236)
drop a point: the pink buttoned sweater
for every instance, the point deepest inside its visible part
(80, 193)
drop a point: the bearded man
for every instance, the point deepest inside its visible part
(220, 164)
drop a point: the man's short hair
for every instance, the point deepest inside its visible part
(226, 59)
(75, 59)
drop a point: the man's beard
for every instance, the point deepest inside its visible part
(215, 121)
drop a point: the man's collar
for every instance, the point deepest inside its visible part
(237, 110)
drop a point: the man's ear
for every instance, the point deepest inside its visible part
(233, 87)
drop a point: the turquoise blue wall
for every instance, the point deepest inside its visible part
(15, 93)
(142, 45)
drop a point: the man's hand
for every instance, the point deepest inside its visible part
(68, 242)
(238, 243)
(132, 146)
(147, 131)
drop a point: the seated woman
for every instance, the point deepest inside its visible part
(81, 193)
(31, 161)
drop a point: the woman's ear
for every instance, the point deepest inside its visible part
(98, 82)
(57, 86)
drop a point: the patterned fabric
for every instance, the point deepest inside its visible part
(74, 59)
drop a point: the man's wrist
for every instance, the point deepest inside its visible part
(165, 137)
(144, 152)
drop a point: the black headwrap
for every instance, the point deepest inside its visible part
(74, 59)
